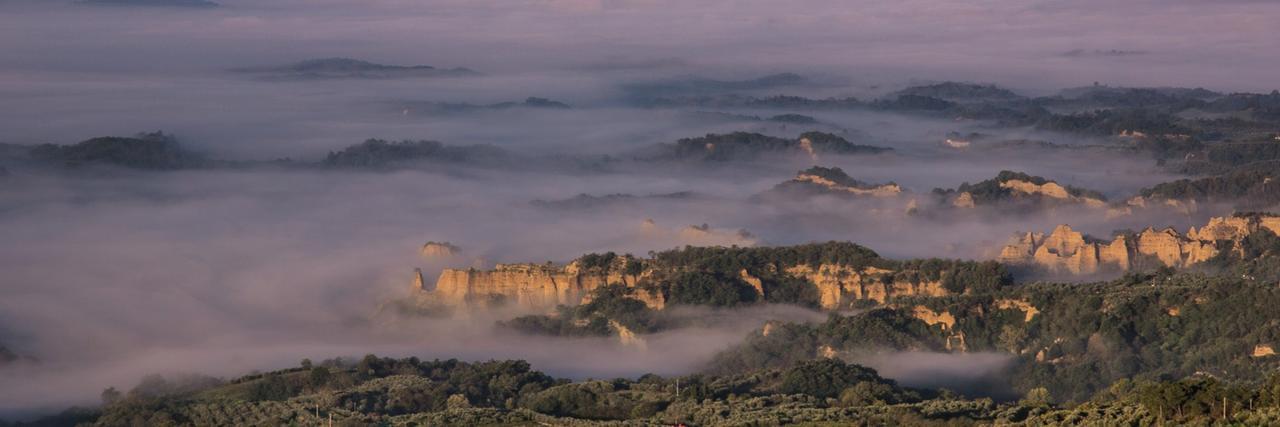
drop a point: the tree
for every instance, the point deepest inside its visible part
(457, 401)
(1038, 397)
(111, 395)
(320, 376)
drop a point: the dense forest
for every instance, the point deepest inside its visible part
(385, 391)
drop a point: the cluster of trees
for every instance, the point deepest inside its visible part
(1248, 186)
(152, 151)
(1079, 340)
(733, 259)
(1096, 111)
(387, 391)
(837, 176)
(956, 91)
(1257, 256)
(713, 276)
(991, 191)
(748, 145)
(377, 153)
(608, 303)
(384, 389)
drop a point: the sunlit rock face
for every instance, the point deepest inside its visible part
(839, 285)
(542, 286)
(1051, 190)
(439, 250)
(531, 286)
(539, 287)
(828, 183)
(1067, 251)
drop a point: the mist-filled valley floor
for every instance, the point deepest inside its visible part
(552, 212)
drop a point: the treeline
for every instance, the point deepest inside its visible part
(1249, 186)
(991, 191)
(747, 146)
(377, 153)
(384, 390)
(1078, 340)
(152, 151)
(719, 277)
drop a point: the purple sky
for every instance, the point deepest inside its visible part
(1225, 45)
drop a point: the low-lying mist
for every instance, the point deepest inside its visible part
(109, 275)
(113, 275)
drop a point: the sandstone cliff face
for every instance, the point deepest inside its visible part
(885, 190)
(807, 146)
(627, 337)
(839, 285)
(1051, 190)
(419, 284)
(1029, 311)
(437, 250)
(931, 317)
(753, 281)
(540, 287)
(1067, 251)
(529, 286)
(1263, 350)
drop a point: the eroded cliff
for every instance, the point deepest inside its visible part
(1067, 251)
(831, 276)
(533, 286)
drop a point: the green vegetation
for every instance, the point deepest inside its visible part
(339, 68)
(152, 151)
(1082, 338)
(608, 303)
(991, 191)
(694, 271)
(798, 119)
(377, 153)
(1257, 256)
(837, 176)
(1175, 125)
(746, 146)
(718, 277)
(957, 92)
(1248, 187)
(380, 391)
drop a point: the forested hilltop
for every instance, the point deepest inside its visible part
(1154, 346)
(385, 391)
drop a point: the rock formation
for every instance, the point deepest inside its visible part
(534, 286)
(1067, 251)
(544, 286)
(1051, 190)
(438, 250)
(831, 181)
(1019, 189)
(1263, 350)
(834, 180)
(627, 337)
(839, 285)
(419, 284)
(696, 235)
(1029, 311)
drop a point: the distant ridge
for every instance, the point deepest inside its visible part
(199, 4)
(342, 68)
